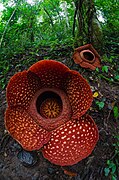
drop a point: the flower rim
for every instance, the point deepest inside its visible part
(83, 57)
(51, 123)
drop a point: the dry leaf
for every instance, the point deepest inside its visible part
(96, 94)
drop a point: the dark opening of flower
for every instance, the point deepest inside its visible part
(46, 109)
(87, 57)
(49, 105)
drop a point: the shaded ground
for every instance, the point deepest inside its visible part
(91, 168)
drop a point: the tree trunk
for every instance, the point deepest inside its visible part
(84, 14)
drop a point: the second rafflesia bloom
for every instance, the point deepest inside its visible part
(87, 57)
(46, 110)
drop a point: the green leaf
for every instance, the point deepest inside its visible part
(100, 104)
(116, 77)
(113, 168)
(105, 69)
(116, 112)
(97, 69)
(107, 171)
(114, 178)
(108, 162)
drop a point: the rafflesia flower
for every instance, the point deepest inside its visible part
(46, 110)
(87, 57)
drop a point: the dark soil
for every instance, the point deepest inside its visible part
(91, 168)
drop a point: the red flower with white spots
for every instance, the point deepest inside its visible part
(46, 109)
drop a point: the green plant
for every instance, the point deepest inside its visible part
(97, 70)
(116, 112)
(100, 104)
(4, 69)
(116, 77)
(113, 163)
(105, 69)
(111, 169)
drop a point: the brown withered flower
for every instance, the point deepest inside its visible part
(87, 57)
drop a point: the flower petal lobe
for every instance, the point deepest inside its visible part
(21, 88)
(72, 142)
(50, 72)
(79, 93)
(23, 129)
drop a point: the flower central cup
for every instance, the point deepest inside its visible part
(49, 105)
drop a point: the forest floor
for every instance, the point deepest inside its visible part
(91, 168)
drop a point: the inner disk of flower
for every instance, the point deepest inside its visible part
(88, 56)
(49, 105)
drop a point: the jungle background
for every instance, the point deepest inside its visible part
(31, 30)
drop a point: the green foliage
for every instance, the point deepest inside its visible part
(97, 70)
(116, 77)
(43, 23)
(111, 169)
(113, 163)
(110, 71)
(116, 112)
(109, 10)
(4, 69)
(100, 104)
(105, 69)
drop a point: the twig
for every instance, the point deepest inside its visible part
(107, 119)
(4, 141)
(51, 21)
